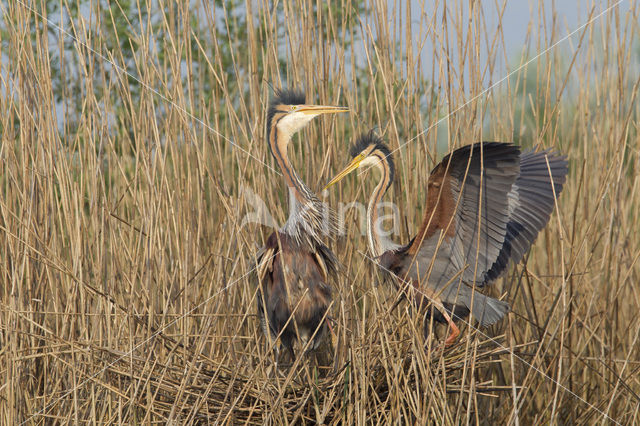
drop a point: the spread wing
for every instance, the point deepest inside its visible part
(468, 205)
(531, 201)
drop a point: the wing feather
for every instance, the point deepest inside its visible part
(467, 200)
(488, 202)
(531, 201)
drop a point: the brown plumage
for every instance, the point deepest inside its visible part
(440, 207)
(295, 268)
(295, 279)
(485, 205)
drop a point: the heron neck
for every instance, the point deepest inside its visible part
(279, 142)
(308, 218)
(376, 241)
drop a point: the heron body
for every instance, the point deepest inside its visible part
(485, 205)
(294, 267)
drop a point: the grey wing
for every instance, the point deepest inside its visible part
(531, 201)
(442, 279)
(464, 227)
(482, 214)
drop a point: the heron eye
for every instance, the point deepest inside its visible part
(294, 107)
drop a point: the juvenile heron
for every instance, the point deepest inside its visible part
(485, 204)
(294, 268)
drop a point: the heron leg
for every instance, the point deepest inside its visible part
(455, 331)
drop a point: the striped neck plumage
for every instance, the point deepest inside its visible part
(309, 218)
(377, 243)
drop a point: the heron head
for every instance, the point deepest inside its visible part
(368, 150)
(289, 112)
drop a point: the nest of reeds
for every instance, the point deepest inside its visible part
(304, 390)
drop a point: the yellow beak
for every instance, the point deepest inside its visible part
(321, 109)
(355, 163)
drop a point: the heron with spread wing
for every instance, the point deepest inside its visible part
(295, 268)
(485, 204)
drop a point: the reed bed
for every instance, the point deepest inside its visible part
(132, 150)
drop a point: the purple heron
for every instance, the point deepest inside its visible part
(295, 268)
(485, 204)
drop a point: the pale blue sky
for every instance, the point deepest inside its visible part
(517, 16)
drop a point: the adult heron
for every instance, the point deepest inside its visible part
(485, 204)
(295, 267)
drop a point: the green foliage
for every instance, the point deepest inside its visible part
(122, 37)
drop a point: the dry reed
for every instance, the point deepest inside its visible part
(127, 295)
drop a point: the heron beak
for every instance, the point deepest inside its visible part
(321, 109)
(355, 163)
